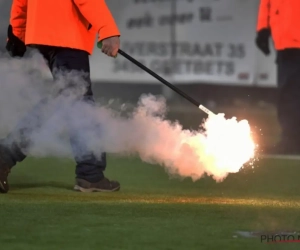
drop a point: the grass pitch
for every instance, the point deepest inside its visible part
(151, 211)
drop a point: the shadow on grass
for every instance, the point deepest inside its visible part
(50, 184)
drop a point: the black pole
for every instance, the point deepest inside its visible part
(162, 80)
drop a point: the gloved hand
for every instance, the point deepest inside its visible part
(110, 46)
(14, 45)
(262, 40)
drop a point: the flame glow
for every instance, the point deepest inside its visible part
(228, 144)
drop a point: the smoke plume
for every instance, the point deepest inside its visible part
(223, 148)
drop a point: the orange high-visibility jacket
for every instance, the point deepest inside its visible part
(62, 23)
(283, 18)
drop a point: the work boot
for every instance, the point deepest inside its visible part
(104, 185)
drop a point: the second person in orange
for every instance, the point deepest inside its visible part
(279, 20)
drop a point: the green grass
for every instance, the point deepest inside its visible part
(152, 210)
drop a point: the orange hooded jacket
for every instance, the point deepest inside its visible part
(62, 23)
(283, 18)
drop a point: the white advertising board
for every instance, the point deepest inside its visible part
(209, 41)
(218, 44)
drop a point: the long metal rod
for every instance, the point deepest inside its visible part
(162, 80)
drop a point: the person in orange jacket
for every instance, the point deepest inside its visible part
(280, 21)
(64, 33)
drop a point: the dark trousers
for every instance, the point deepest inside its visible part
(61, 61)
(288, 71)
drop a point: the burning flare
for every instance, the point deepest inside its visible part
(227, 144)
(224, 147)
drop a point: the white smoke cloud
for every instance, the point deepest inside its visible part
(144, 131)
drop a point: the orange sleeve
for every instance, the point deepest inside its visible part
(263, 14)
(18, 16)
(99, 16)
